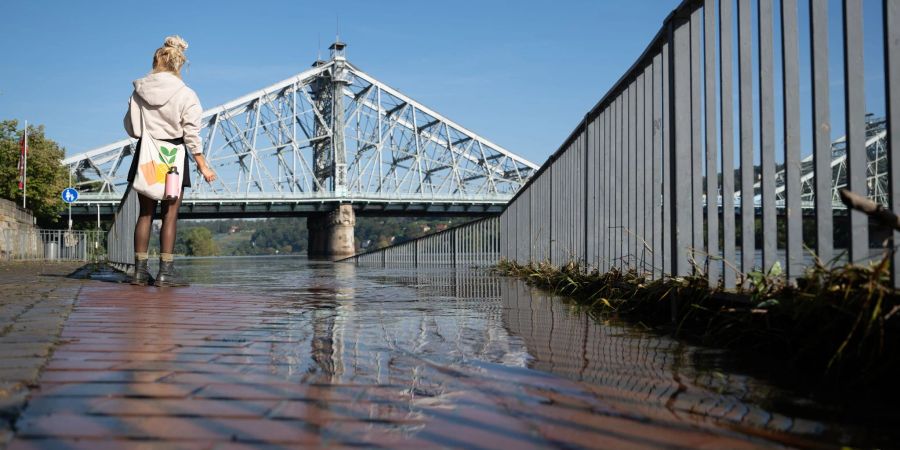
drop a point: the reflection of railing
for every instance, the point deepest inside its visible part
(30, 244)
(646, 372)
(476, 243)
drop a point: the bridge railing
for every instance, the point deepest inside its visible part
(695, 118)
(474, 244)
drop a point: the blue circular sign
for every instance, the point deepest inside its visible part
(69, 195)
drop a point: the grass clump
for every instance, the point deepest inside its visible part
(839, 324)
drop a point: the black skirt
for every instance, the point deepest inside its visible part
(185, 177)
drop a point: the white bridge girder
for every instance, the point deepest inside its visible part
(270, 143)
(876, 173)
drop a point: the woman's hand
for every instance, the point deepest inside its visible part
(208, 174)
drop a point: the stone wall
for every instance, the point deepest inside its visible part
(19, 237)
(14, 216)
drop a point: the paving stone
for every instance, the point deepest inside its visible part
(101, 376)
(202, 368)
(32, 313)
(105, 444)
(23, 374)
(183, 407)
(208, 429)
(116, 389)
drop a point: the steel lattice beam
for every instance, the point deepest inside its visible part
(331, 131)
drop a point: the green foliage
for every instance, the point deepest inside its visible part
(380, 232)
(199, 242)
(763, 285)
(280, 235)
(46, 175)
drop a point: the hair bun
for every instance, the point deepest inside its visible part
(176, 42)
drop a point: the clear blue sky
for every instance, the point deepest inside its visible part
(520, 73)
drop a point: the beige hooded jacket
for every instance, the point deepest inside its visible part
(172, 110)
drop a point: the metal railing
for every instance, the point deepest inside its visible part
(474, 244)
(626, 189)
(120, 238)
(32, 244)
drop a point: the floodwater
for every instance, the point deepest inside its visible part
(453, 336)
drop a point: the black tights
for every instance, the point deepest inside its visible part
(145, 220)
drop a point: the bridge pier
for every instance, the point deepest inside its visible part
(331, 233)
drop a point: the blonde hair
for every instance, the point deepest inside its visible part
(170, 57)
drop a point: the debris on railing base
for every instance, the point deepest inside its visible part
(874, 210)
(836, 326)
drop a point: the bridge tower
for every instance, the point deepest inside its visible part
(331, 234)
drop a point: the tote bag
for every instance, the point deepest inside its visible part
(155, 159)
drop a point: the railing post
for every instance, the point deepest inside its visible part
(454, 245)
(418, 250)
(892, 88)
(680, 138)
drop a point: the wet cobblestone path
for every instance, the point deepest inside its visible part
(35, 300)
(285, 353)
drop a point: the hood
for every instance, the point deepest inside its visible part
(158, 88)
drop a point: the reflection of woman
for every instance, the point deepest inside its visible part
(172, 114)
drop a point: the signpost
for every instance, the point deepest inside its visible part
(70, 195)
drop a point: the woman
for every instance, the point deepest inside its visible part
(172, 113)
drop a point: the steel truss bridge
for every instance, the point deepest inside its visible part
(330, 135)
(876, 172)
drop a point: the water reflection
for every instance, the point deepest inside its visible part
(425, 340)
(654, 374)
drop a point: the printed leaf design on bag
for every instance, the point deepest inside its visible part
(167, 155)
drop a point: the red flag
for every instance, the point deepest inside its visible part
(23, 153)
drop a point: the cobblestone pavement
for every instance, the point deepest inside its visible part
(35, 299)
(207, 368)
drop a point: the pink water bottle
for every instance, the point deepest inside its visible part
(173, 184)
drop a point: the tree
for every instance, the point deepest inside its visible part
(47, 177)
(199, 242)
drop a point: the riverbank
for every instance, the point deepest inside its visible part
(834, 329)
(35, 300)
